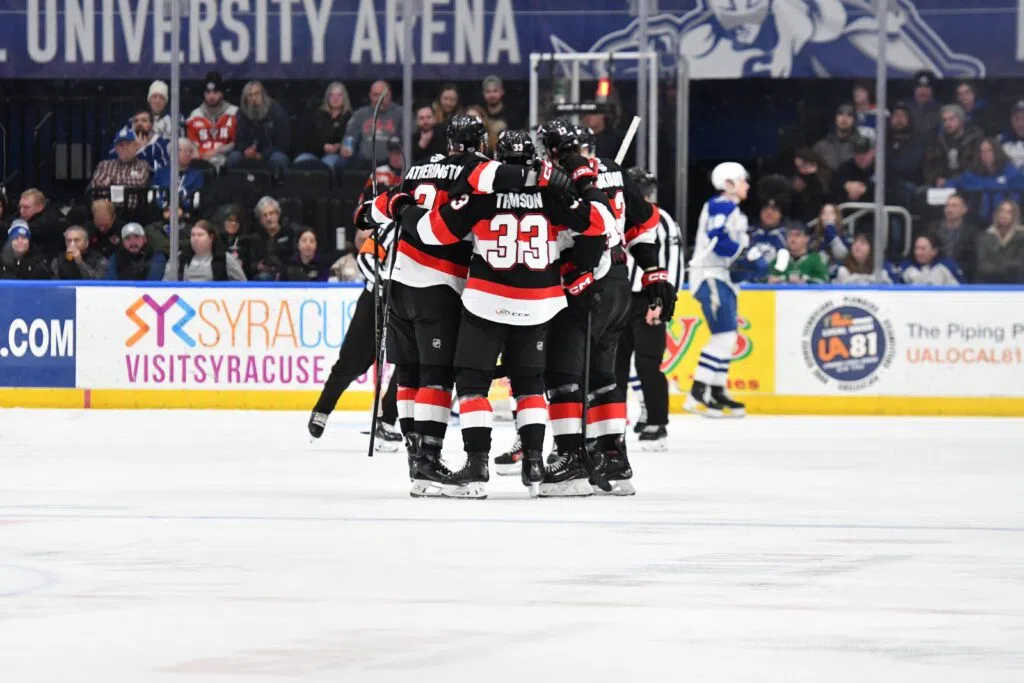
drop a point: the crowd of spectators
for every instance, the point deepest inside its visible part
(957, 167)
(122, 231)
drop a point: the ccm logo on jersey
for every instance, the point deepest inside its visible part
(512, 314)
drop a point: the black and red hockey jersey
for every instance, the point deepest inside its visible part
(514, 275)
(637, 218)
(431, 182)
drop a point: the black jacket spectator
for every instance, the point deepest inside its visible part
(29, 264)
(958, 235)
(93, 267)
(953, 150)
(855, 179)
(906, 147)
(104, 228)
(812, 185)
(273, 243)
(429, 138)
(316, 270)
(44, 221)
(924, 110)
(498, 109)
(136, 259)
(263, 123)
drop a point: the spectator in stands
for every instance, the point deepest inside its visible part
(272, 245)
(19, 259)
(859, 266)
(976, 110)
(855, 179)
(607, 140)
(928, 267)
(306, 265)
(126, 169)
(329, 123)
(1000, 250)
(990, 170)
(954, 148)
(135, 259)
(864, 110)
(837, 147)
(204, 259)
(812, 184)
(388, 175)
(446, 106)
(4, 218)
(924, 111)
(770, 234)
(44, 221)
(494, 128)
(158, 99)
(213, 125)
(105, 228)
(78, 262)
(804, 266)
(150, 147)
(356, 147)
(1013, 140)
(190, 180)
(906, 146)
(264, 131)
(496, 107)
(233, 235)
(429, 138)
(830, 236)
(957, 234)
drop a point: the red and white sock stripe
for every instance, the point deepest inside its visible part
(531, 410)
(406, 400)
(566, 418)
(606, 419)
(433, 405)
(475, 412)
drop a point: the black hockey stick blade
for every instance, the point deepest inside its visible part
(596, 478)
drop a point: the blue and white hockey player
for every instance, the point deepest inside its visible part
(722, 236)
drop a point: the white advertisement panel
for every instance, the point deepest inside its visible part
(900, 342)
(250, 338)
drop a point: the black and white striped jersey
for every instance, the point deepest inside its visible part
(669, 242)
(364, 259)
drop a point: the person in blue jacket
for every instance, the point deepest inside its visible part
(928, 267)
(135, 259)
(992, 178)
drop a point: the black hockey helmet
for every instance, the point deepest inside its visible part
(559, 137)
(466, 134)
(515, 147)
(588, 141)
(644, 179)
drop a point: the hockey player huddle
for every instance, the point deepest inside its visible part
(525, 268)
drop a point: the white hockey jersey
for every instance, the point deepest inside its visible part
(721, 238)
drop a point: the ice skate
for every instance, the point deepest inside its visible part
(470, 481)
(730, 408)
(317, 423)
(641, 421)
(388, 438)
(532, 470)
(614, 465)
(700, 402)
(509, 462)
(428, 473)
(565, 477)
(654, 438)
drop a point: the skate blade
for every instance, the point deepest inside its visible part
(535, 490)
(386, 446)
(620, 487)
(508, 470)
(469, 492)
(425, 489)
(566, 489)
(734, 414)
(658, 446)
(692, 406)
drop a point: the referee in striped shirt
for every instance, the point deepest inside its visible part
(645, 335)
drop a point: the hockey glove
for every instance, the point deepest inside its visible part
(580, 169)
(398, 204)
(549, 176)
(659, 291)
(579, 284)
(757, 256)
(362, 215)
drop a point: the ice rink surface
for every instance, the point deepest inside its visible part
(222, 547)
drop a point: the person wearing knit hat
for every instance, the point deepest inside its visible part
(953, 150)
(19, 260)
(158, 99)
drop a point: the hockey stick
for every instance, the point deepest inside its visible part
(378, 313)
(628, 140)
(596, 477)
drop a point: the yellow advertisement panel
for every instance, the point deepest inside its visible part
(753, 359)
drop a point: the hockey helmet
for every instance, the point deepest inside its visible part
(644, 179)
(515, 147)
(466, 134)
(559, 137)
(726, 172)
